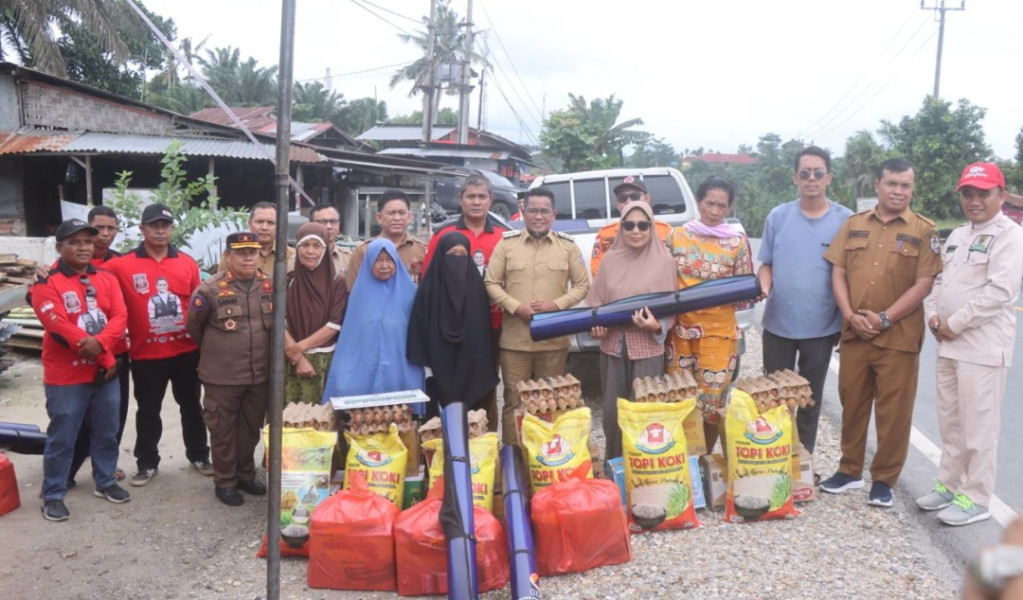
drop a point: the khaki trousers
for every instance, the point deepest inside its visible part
(234, 414)
(969, 405)
(518, 366)
(883, 380)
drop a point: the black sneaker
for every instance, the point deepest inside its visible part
(203, 466)
(840, 482)
(880, 494)
(254, 487)
(113, 493)
(229, 496)
(143, 476)
(54, 510)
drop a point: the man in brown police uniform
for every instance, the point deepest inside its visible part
(230, 316)
(884, 263)
(530, 272)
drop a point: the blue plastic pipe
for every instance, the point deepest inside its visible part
(22, 440)
(730, 290)
(514, 484)
(456, 513)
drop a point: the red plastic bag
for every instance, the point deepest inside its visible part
(9, 497)
(422, 551)
(351, 540)
(579, 524)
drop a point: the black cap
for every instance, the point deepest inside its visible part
(72, 226)
(157, 212)
(630, 181)
(243, 239)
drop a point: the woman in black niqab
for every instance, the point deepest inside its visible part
(449, 330)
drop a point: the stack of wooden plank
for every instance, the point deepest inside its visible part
(16, 271)
(29, 335)
(16, 275)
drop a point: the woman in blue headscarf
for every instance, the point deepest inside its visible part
(370, 355)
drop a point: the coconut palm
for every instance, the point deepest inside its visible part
(448, 47)
(314, 102)
(239, 83)
(28, 27)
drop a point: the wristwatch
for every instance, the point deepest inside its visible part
(992, 567)
(886, 323)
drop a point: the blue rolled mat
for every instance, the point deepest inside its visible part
(22, 441)
(545, 326)
(521, 552)
(456, 511)
(19, 426)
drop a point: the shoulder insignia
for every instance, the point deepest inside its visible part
(564, 236)
(935, 244)
(925, 219)
(511, 233)
(198, 303)
(864, 212)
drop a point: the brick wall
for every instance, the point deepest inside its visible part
(46, 106)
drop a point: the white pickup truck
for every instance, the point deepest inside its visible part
(585, 203)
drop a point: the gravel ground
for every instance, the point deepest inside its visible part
(175, 541)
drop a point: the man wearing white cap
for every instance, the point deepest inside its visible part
(970, 312)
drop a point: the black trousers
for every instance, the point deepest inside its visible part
(814, 357)
(151, 378)
(84, 434)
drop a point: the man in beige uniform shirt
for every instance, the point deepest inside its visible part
(325, 214)
(394, 215)
(970, 312)
(263, 222)
(530, 272)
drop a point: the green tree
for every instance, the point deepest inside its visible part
(313, 102)
(446, 116)
(940, 140)
(653, 152)
(239, 83)
(589, 136)
(168, 78)
(863, 155)
(1014, 172)
(361, 114)
(448, 47)
(28, 28)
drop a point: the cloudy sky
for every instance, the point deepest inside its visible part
(709, 73)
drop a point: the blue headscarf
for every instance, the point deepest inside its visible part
(370, 354)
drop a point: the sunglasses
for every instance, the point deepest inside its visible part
(89, 289)
(633, 197)
(630, 225)
(817, 174)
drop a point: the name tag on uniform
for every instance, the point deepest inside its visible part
(981, 243)
(859, 233)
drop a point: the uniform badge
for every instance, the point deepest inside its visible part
(230, 324)
(141, 283)
(198, 304)
(71, 303)
(981, 243)
(935, 244)
(46, 307)
(222, 284)
(267, 286)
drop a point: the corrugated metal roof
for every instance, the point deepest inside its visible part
(398, 133)
(458, 152)
(25, 141)
(147, 144)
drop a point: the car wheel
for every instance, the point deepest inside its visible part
(502, 210)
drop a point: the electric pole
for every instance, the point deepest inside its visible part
(428, 88)
(939, 9)
(465, 89)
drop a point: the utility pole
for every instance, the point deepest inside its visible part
(464, 89)
(428, 88)
(939, 9)
(482, 109)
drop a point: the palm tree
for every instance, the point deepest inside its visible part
(314, 102)
(28, 27)
(239, 83)
(168, 78)
(448, 47)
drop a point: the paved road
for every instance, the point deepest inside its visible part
(917, 476)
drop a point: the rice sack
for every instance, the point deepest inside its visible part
(759, 450)
(381, 457)
(657, 485)
(555, 449)
(482, 464)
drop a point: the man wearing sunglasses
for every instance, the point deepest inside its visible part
(532, 271)
(79, 368)
(801, 318)
(631, 189)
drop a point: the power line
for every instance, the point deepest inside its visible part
(522, 123)
(387, 10)
(510, 61)
(514, 88)
(370, 11)
(351, 73)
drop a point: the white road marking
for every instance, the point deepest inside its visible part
(1000, 511)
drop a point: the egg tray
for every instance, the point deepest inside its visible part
(675, 387)
(362, 421)
(780, 388)
(299, 415)
(550, 394)
(478, 422)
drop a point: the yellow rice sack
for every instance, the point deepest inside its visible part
(381, 457)
(555, 449)
(759, 448)
(657, 485)
(305, 471)
(482, 464)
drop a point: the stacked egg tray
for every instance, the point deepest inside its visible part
(550, 394)
(478, 421)
(299, 415)
(675, 387)
(363, 421)
(780, 388)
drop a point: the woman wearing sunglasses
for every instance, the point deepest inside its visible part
(704, 342)
(636, 264)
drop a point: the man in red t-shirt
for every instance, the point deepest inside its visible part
(157, 280)
(79, 365)
(483, 233)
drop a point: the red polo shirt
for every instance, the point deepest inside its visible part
(485, 242)
(156, 317)
(62, 304)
